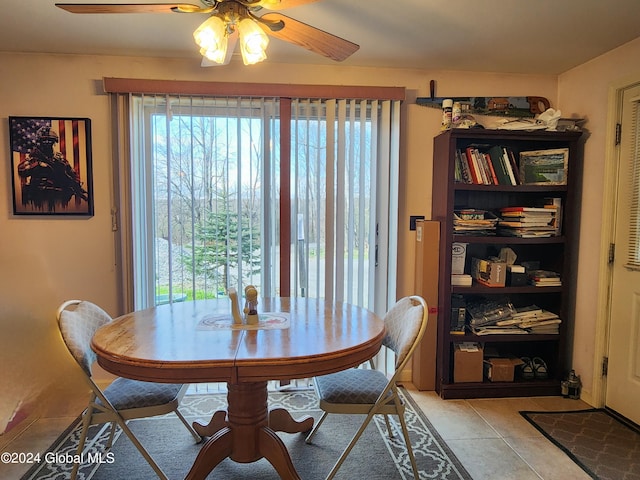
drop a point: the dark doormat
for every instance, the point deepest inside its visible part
(603, 446)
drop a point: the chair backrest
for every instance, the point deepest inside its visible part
(77, 327)
(405, 322)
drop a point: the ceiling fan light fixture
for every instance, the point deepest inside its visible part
(270, 3)
(253, 41)
(211, 37)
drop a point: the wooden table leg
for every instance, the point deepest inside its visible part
(218, 422)
(280, 420)
(211, 454)
(248, 433)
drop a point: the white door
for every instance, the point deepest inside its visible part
(623, 377)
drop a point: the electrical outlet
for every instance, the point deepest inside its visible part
(412, 221)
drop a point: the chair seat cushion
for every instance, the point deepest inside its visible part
(354, 386)
(124, 393)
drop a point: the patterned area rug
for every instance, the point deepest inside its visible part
(602, 446)
(375, 456)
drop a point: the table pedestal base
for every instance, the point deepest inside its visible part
(246, 432)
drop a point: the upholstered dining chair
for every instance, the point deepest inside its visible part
(124, 399)
(368, 391)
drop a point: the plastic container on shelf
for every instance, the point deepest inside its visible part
(447, 106)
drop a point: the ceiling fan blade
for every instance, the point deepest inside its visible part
(131, 8)
(282, 4)
(309, 37)
(231, 46)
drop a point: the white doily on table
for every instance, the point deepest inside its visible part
(224, 321)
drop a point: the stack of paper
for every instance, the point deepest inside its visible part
(476, 222)
(544, 278)
(533, 319)
(527, 222)
(461, 280)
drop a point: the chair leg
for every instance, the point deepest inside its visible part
(407, 440)
(316, 427)
(86, 422)
(125, 428)
(193, 433)
(352, 443)
(112, 434)
(389, 429)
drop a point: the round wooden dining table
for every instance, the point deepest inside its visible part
(198, 341)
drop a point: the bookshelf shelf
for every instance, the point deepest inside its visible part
(507, 240)
(511, 188)
(479, 289)
(554, 253)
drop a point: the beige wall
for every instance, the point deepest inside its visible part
(45, 261)
(584, 91)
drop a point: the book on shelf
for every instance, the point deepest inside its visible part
(529, 210)
(494, 177)
(555, 205)
(512, 176)
(487, 179)
(461, 280)
(473, 165)
(457, 169)
(528, 222)
(544, 278)
(486, 165)
(514, 164)
(495, 155)
(462, 170)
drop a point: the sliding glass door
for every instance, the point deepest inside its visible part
(218, 199)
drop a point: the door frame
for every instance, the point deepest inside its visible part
(612, 152)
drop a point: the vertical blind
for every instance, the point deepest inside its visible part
(633, 253)
(343, 172)
(203, 180)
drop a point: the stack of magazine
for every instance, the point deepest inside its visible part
(486, 314)
(501, 318)
(527, 222)
(533, 319)
(475, 222)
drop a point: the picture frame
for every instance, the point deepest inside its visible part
(544, 167)
(51, 165)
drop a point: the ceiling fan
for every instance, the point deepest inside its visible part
(233, 20)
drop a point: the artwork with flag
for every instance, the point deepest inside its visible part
(51, 166)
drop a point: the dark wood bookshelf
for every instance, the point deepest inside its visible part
(556, 253)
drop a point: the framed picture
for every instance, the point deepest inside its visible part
(544, 167)
(51, 166)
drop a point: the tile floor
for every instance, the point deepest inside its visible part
(489, 437)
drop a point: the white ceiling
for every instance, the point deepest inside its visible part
(519, 36)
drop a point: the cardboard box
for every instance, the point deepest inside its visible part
(491, 273)
(423, 366)
(501, 369)
(458, 257)
(467, 362)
